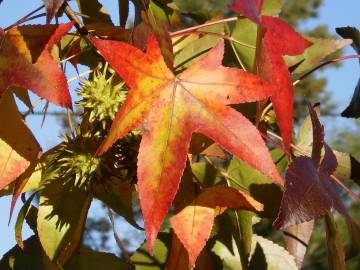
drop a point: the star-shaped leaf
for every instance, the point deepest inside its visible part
(169, 109)
(248, 8)
(309, 190)
(25, 61)
(279, 40)
(193, 224)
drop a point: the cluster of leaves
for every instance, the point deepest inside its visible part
(178, 120)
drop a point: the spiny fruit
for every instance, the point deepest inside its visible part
(74, 161)
(101, 98)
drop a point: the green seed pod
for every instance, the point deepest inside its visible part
(75, 161)
(101, 98)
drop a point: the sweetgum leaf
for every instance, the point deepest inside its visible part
(279, 40)
(95, 12)
(320, 49)
(31, 257)
(353, 110)
(193, 224)
(247, 8)
(93, 260)
(25, 61)
(11, 164)
(169, 109)
(52, 7)
(246, 32)
(309, 190)
(18, 152)
(60, 230)
(265, 254)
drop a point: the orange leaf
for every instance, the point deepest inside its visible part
(169, 109)
(194, 223)
(11, 164)
(25, 61)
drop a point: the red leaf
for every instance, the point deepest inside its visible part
(27, 62)
(309, 190)
(194, 223)
(169, 109)
(279, 40)
(247, 8)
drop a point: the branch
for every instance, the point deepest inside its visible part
(190, 30)
(333, 61)
(26, 18)
(73, 17)
(117, 238)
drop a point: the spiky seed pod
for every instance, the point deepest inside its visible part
(101, 98)
(74, 161)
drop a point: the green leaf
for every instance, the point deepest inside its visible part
(94, 10)
(271, 7)
(189, 49)
(276, 257)
(87, 259)
(245, 31)
(206, 173)
(312, 56)
(118, 197)
(26, 210)
(204, 9)
(260, 187)
(144, 261)
(231, 261)
(336, 256)
(157, 19)
(264, 255)
(61, 218)
(31, 257)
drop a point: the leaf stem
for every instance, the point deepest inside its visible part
(117, 238)
(26, 18)
(348, 190)
(72, 17)
(77, 77)
(188, 31)
(225, 174)
(229, 38)
(325, 64)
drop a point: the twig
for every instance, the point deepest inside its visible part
(351, 193)
(25, 18)
(225, 174)
(325, 64)
(80, 75)
(229, 38)
(190, 30)
(72, 16)
(117, 238)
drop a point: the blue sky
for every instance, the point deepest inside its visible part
(341, 81)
